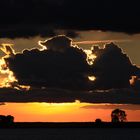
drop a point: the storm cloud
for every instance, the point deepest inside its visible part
(26, 18)
(25, 31)
(59, 72)
(112, 67)
(59, 64)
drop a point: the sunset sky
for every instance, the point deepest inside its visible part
(69, 61)
(66, 112)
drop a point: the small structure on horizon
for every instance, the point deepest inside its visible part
(98, 121)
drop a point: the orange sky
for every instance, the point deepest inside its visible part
(63, 112)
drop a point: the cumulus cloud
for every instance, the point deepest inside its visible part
(59, 64)
(63, 65)
(58, 43)
(112, 68)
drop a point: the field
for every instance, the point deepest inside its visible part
(70, 134)
(70, 131)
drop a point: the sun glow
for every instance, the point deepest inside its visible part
(60, 107)
(101, 41)
(90, 56)
(48, 112)
(62, 112)
(133, 80)
(7, 48)
(9, 80)
(10, 76)
(43, 46)
(92, 78)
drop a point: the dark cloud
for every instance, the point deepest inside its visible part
(112, 68)
(25, 31)
(60, 65)
(63, 65)
(30, 30)
(119, 16)
(112, 106)
(120, 96)
(72, 34)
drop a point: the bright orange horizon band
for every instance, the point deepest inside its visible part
(62, 112)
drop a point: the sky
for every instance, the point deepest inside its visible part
(128, 42)
(47, 44)
(67, 112)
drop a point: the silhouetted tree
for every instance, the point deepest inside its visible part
(2, 118)
(10, 119)
(6, 120)
(118, 115)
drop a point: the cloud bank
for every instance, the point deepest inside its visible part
(120, 96)
(63, 66)
(112, 106)
(31, 18)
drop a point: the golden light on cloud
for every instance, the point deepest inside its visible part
(40, 43)
(9, 79)
(90, 56)
(92, 78)
(60, 107)
(101, 41)
(133, 80)
(7, 49)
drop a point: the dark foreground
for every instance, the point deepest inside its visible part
(71, 131)
(70, 134)
(71, 125)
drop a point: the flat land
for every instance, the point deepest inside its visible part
(71, 131)
(70, 134)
